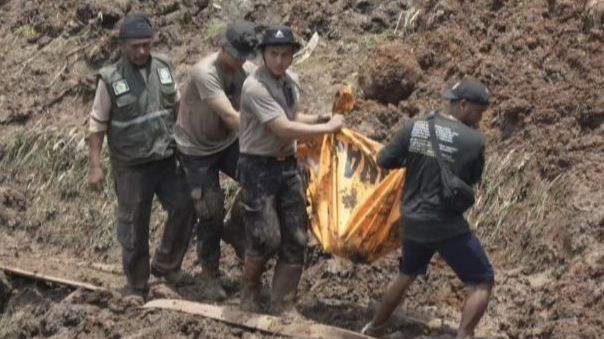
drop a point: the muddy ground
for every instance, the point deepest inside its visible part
(539, 211)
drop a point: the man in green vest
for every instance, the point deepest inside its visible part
(135, 104)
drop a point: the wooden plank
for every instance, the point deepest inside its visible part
(56, 280)
(302, 328)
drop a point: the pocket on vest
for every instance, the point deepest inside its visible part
(168, 96)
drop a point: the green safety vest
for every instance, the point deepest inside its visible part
(142, 118)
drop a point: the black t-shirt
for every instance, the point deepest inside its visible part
(425, 217)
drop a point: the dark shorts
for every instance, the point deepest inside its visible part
(463, 253)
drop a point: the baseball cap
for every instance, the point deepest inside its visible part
(469, 89)
(136, 26)
(240, 40)
(279, 36)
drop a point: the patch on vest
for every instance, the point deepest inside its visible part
(120, 87)
(165, 78)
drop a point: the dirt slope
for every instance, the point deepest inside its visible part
(539, 211)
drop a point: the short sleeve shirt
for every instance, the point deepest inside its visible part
(200, 131)
(265, 98)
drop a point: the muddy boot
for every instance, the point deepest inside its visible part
(175, 278)
(134, 297)
(252, 274)
(285, 284)
(211, 284)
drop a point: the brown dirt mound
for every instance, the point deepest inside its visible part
(389, 73)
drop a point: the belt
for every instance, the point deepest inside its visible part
(268, 158)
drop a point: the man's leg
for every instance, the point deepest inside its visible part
(134, 189)
(474, 307)
(415, 260)
(293, 221)
(172, 194)
(261, 227)
(233, 231)
(234, 226)
(465, 255)
(390, 301)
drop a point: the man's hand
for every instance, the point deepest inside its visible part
(96, 178)
(336, 123)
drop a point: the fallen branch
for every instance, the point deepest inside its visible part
(306, 52)
(56, 280)
(301, 328)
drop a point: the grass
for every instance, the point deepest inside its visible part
(213, 30)
(61, 209)
(26, 31)
(508, 200)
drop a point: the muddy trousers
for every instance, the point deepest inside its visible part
(202, 173)
(135, 187)
(276, 221)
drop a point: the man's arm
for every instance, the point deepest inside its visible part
(222, 106)
(210, 88)
(292, 130)
(394, 154)
(96, 177)
(99, 118)
(313, 118)
(477, 168)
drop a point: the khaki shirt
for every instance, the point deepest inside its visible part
(199, 130)
(101, 107)
(263, 100)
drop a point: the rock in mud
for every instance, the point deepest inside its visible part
(390, 73)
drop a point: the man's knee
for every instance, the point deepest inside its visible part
(484, 286)
(210, 205)
(263, 240)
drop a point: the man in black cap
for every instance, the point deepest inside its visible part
(207, 136)
(274, 199)
(430, 223)
(135, 106)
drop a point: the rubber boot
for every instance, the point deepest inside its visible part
(210, 281)
(285, 284)
(252, 274)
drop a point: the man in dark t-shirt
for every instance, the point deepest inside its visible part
(429, 224)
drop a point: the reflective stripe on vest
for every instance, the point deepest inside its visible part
(141, 119)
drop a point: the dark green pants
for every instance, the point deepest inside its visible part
(135, 187)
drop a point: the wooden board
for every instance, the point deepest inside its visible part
(298, 328)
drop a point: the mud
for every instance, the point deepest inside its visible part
(390, 73)
(539, 210)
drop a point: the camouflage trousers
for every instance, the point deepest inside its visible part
(202, 173)
(276, 221)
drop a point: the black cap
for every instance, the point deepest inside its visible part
(136, 26)
(469, 89)
(240, 40)
(279, 36)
